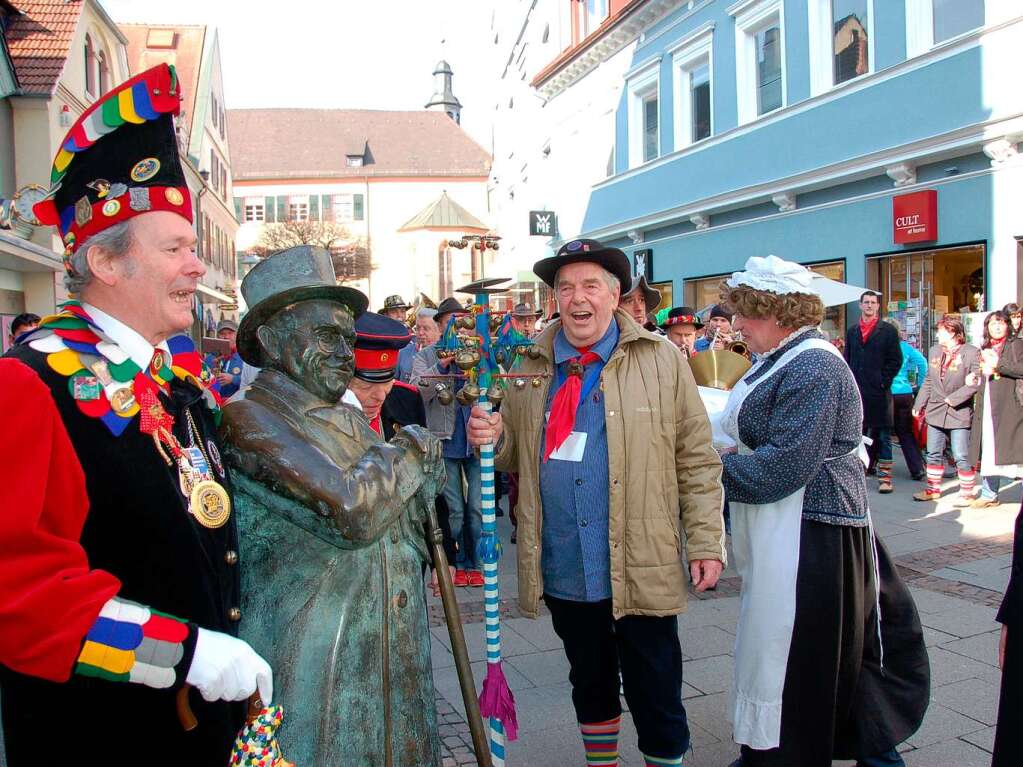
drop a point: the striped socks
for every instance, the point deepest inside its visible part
(966, 482)
(661, 761)
(884, 471)
(601, 742)
(934, 475)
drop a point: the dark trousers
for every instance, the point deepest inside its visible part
(1007, 751)
(648, 653)
(904, 428)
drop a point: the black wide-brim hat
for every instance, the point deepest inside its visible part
(298, 274)
(583, 251)
(651, 295)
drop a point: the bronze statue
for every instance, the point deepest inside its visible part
(331, 521)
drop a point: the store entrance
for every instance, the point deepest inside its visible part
(920, 286)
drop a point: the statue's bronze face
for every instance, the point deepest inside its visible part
(311, 342)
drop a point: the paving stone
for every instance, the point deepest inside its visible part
(984, 739)
(440, 655)
(706, 641)
(982, 647)
(538, 631)
(688, 691)
(542, 668)
(709, 713)
(970, 697)
(953, 753)
(710, 675)
(930, 602)
(996, 581)
(948, 667)
(933, 637)
(966, 620)
(942, 724)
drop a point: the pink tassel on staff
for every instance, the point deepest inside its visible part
(497, 701)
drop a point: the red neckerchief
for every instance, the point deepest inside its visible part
(566, 402)
(867, 327)
(375, 425)
(947, 357)
(998, 346)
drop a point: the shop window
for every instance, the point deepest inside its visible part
(691, 67)
(918, 287)
(759, 57)
(643, 122)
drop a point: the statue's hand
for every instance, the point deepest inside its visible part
(419, 440)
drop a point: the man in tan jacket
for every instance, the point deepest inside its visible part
(615, 463)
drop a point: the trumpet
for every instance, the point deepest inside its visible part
(739, 347)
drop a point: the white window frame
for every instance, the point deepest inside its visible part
(257, 206)
(301, 202)
(690, 54)
(641, 86)
(821, 37)
(345, 207)
(920, 23)
(751, 16)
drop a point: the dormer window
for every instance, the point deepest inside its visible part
(353, 160)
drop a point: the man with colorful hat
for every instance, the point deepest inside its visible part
(681, 326)
(120, 582)
(616, 474)
(227, 367)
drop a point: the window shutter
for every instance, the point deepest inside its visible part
(282, 208)
(314, 208)
(328, 208)
(357, 213)
(239, 208)
(269, 213)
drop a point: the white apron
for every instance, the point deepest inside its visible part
(765, 544)
(988, 467)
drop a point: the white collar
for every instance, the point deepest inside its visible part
(134, 345)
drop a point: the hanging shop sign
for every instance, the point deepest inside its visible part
(915, 217)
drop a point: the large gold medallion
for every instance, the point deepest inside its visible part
(210, 504)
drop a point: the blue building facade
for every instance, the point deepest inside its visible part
(807, 129)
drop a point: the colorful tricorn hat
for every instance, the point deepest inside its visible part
(118, 160)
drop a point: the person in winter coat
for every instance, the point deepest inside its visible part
(613, 487)
(873, 353)
(946, 399)
(996, 437)
(904, 387)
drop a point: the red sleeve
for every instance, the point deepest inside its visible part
(49, 598)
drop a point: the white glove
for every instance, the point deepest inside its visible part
(225, 668)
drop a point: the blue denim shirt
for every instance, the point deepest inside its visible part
(576, 562)
(457, 445)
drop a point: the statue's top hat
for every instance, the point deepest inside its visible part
(298, 274)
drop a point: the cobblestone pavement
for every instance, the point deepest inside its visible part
(955, 561)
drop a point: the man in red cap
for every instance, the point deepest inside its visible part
(120, 581)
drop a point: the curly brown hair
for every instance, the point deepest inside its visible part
(791, 310)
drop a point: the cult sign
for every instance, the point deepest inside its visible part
(915, 217)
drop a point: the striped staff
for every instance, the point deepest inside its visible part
(497, 703)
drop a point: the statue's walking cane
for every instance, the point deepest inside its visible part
(458, 649)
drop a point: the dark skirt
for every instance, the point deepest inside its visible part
(841, 700)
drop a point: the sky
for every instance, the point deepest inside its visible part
(340, 53)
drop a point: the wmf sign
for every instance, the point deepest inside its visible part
(543, 222)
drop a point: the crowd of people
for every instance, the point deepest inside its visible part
(144, 510)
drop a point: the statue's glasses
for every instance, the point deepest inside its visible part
(330, 339)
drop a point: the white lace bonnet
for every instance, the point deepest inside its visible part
(775, 275)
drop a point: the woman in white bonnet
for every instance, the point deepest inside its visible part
(820, 674)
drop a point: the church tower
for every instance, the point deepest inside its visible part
(443, 98)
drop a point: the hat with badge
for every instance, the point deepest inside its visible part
(302, 273)
(579, 251)
(119, 159)
(681, 315)
(378, 339)
(395, 302)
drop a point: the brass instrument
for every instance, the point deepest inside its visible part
(739, 347)
(721, 368)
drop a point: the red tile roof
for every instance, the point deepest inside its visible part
(40, 40)
(313, 143)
